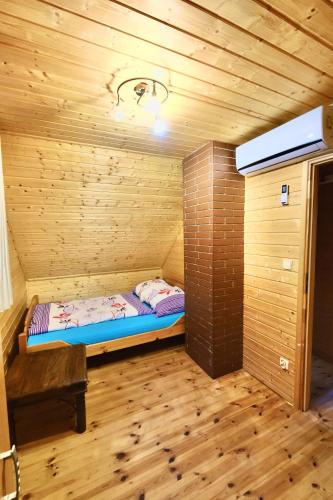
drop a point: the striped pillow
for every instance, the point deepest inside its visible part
(170, 305)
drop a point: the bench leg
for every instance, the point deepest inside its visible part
(80, 404)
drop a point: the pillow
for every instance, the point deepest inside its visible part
(163, 294)
(162, 297)
(148, 289)
(170, 305)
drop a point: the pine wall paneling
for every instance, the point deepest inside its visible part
(11, 318)
(173, 267)
(234, 68)
(95, 285)
(272, 311)
(80, 210)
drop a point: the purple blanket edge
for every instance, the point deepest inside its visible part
(136, 302)
(40, 319)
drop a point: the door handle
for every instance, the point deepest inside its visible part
(12, 453)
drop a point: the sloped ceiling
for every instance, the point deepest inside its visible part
(76, 209)
(234, 68)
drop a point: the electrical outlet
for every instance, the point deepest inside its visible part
(284, 363)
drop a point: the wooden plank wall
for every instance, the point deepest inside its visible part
(272, 233)
(173, 267)
(75, 287)
(10, 319)
(80, 210)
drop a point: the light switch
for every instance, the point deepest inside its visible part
(287, 264)
(284, 194)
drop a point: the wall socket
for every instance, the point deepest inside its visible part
(284, 363)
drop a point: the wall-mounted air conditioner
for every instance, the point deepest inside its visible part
(303, 137)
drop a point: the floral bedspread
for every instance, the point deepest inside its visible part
(63, 315)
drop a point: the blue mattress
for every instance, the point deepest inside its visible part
(108, 330)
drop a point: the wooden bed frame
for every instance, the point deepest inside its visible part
(101, 347)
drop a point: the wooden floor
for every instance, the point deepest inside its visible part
(160, 428)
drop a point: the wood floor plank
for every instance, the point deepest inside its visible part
(159, 428)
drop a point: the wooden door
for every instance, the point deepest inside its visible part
(310, 273)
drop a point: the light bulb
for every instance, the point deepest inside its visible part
(153, 105)
(119, 115)
(160, 127)
(158, 73)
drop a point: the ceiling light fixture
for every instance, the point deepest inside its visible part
(147, 93)
(160, 127)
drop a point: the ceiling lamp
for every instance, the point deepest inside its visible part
(147, 93)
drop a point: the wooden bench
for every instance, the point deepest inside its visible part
(48, 374)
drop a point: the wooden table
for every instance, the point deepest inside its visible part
(48, 374)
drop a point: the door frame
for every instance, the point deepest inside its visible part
(307, 281)
(6, 472)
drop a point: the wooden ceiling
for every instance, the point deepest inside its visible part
(76, 209)
(234, 68)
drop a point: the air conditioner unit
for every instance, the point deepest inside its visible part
(303, 137)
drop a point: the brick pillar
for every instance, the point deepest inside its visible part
(213, 238)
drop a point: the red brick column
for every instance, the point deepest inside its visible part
(213, 237)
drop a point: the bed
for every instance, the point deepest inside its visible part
(103, 337)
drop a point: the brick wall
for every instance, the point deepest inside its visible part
(213, 241)
(198, 254)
